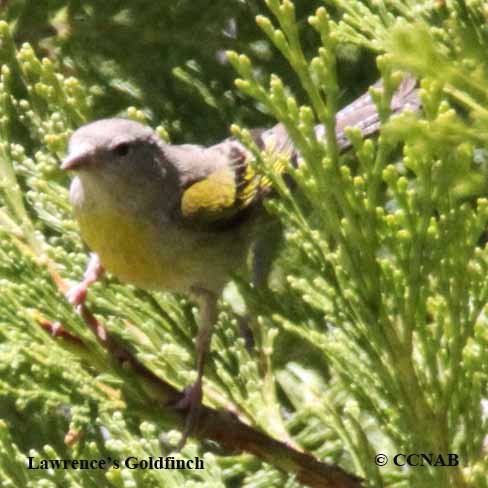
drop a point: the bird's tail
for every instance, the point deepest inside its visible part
(362, 114)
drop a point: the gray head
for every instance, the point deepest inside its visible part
(122, 159)
(112, 143)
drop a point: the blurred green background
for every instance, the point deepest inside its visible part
(168, 58)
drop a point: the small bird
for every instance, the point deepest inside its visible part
(181, 217)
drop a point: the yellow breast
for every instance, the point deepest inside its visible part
(148, 251)
(134, 251)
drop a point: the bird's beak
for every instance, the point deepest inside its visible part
(77, 160)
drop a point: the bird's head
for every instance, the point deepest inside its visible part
(115, 146)
(119, 155)
(121, 158)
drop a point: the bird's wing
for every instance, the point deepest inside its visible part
(215, 199)
(220, 187)
(223, 187)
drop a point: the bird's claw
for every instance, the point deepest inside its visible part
(94, 270)
(192, 403)
(77, 294)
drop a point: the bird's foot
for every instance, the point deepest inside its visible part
(77, 294)
(192, 404)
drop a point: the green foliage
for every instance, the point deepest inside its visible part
(169, 59)
(374, 337)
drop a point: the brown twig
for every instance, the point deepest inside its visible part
(220, 426)
(230, 432)
(57, 330)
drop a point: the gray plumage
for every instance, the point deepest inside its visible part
(131, 189)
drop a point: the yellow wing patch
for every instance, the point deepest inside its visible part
(226, 193)
(210, 199)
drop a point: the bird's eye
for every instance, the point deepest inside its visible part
(121, 150)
